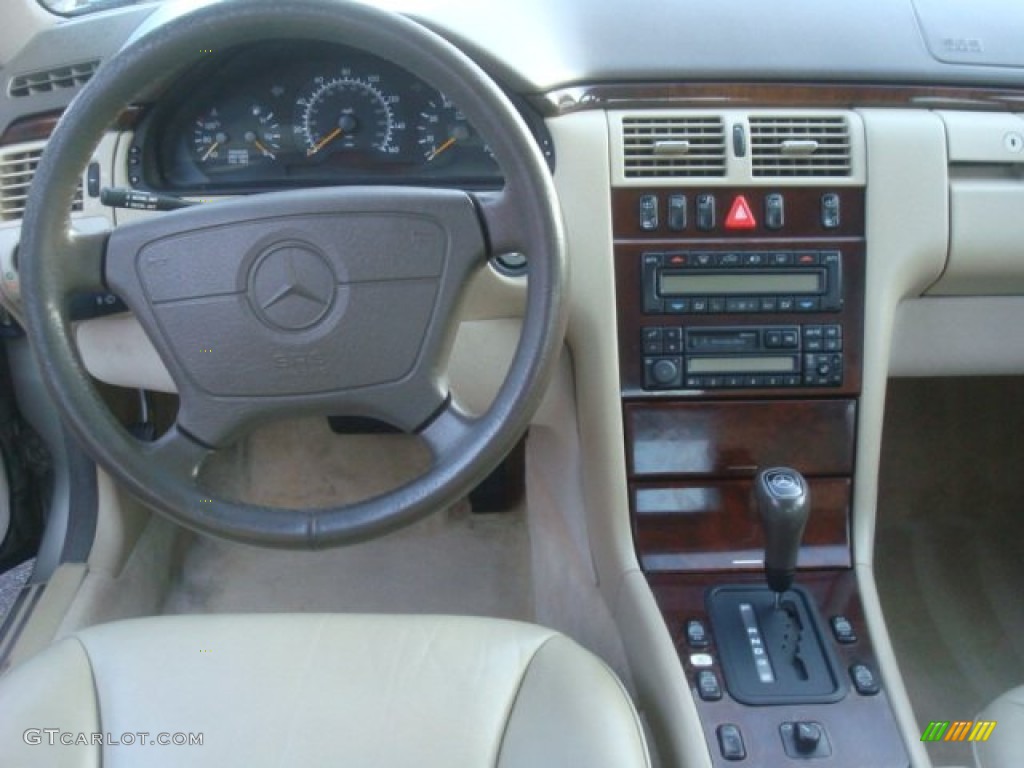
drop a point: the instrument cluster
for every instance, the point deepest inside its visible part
(288, 114)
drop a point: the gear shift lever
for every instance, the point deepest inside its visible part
(783, 501)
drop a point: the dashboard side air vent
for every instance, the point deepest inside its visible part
(17, 168)
(807, 146)
(47, 80)
(673, 147)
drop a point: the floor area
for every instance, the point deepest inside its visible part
(528, 563)
(454, 562)
(950, 544)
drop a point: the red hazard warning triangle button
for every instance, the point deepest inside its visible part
(740, 216)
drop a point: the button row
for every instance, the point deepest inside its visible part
(740, 213)
(740, 382)
(816, 338)
(740, 305)
(667, 373)
(735, 259)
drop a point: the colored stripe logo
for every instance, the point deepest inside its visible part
(959, 730)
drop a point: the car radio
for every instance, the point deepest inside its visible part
(727, 282)
(753, 356)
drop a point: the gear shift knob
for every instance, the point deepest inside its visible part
(783, 500)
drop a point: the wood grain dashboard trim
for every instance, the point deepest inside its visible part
(707, 95)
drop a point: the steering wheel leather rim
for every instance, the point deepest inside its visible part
(523, 217)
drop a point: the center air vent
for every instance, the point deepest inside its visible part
(800, 146)
(17, 169)
(47, 80)
(673, 147)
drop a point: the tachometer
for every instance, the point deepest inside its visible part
(347, 113)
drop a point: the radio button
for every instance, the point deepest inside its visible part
(791, 381)
(694, 382)
(790, 339)
(773, 339)
(662, 372)
(652, 341)
(773, 381)
(786, 303)
(742, 305)
(733, 381)
(754, 381)
(673, 341)
(713, 382)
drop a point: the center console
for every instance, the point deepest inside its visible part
(740, 312)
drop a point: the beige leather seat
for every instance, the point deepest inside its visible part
(318, 690)
(1005, 747)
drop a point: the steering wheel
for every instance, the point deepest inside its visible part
(320, 301)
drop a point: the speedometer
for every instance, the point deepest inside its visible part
(347, 113)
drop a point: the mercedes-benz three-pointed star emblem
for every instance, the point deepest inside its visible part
(292, 286)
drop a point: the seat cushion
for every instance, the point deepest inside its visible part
(318, 690)
(1005, 747)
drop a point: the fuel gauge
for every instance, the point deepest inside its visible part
(263, 137)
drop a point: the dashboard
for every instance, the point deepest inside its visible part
(286, 114)
(683, 136)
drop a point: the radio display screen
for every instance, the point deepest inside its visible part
(737, 364)
(728, 284)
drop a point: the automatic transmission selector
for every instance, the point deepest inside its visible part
(772, 646)
(783, 501)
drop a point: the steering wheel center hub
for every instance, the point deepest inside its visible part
(292, 286)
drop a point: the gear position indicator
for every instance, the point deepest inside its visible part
(761, 662)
